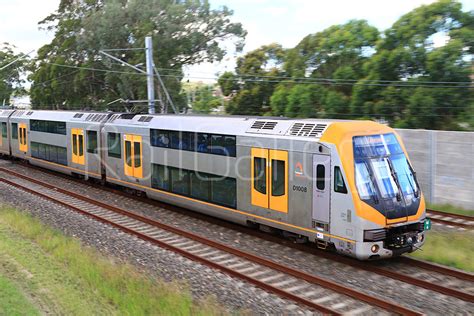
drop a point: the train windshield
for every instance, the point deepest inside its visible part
(382, 169)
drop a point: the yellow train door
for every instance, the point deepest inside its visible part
(269, 179)
(22, 138)
(77, 145)
(133, 156)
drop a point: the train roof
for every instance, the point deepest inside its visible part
(310, 128)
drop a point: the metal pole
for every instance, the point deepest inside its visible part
(150, 75)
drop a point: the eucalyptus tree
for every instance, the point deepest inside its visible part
(12, 66)
(408, 53)
(183, 32)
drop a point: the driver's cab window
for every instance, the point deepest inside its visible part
(339, 184)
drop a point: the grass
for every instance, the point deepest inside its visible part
(453, 249)
(12, 300)
(450, 209)
(56, 274)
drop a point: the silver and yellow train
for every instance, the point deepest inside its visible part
(346, 185)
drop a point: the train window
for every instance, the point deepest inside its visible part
(159, 138)
(223, 191)
(4, 130)
(203, 142)
(113, 143)
(179, 181)
(223, 145)
(187, 141)
(92, 142)
(62, 156)
(48, 152)
(53, 153)
(14, 130)
(48, 126)
(160, 177)
(230, 145)
(260, 174)
(339, 185)
(128, 152)
(200, 186)
(81, 145)
(34, 149)
(74, 144)
(42, 151)
(278, 177)
(175, 140)
(137, 151)
(320, 177)
(218, 145)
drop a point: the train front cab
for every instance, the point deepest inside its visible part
(389, 208)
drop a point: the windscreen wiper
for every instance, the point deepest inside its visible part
(413, 173)
(371, 175)
(395, 178)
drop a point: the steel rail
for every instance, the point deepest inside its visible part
(452, 215)
(189, 255)
(338, 258)
(437, 268)
(383, 303)
(371, 267)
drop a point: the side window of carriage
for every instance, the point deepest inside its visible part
(339, 184)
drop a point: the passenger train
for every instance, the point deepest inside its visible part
(344, 185)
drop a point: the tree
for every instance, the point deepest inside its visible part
(336, 105)
(254, 73)
(228, 83)
(279, 100)
(407, 53)
(202, 99)
(339, 53)
(10, 75)
(339, 49)
(183, 32)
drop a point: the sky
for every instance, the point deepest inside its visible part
(267, 21)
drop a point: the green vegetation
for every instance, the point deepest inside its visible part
(402, 75)
(450, 209)
(353, 71)
(453, 249)
(41, 267)
(202, 98)
(10, 75)
(12, 301)
(184, 33)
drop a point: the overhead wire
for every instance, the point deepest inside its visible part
(78, 68)
(327, 79)
(291, 80)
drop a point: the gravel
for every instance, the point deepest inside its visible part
(233, 294)
(408, 295)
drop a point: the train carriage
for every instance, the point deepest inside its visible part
(6, 130)
(341, 184)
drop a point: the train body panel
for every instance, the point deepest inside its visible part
(330, 182)
(5, 132)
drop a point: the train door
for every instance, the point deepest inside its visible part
(22, 138)
(133, 156)
(269, 178)
(321, 188)
(78, 145)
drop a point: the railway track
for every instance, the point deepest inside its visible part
(450, 219)
(303, 288)
(460, 284)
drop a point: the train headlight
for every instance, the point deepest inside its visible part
(409, 240)
(420, 238)
(374, 248)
